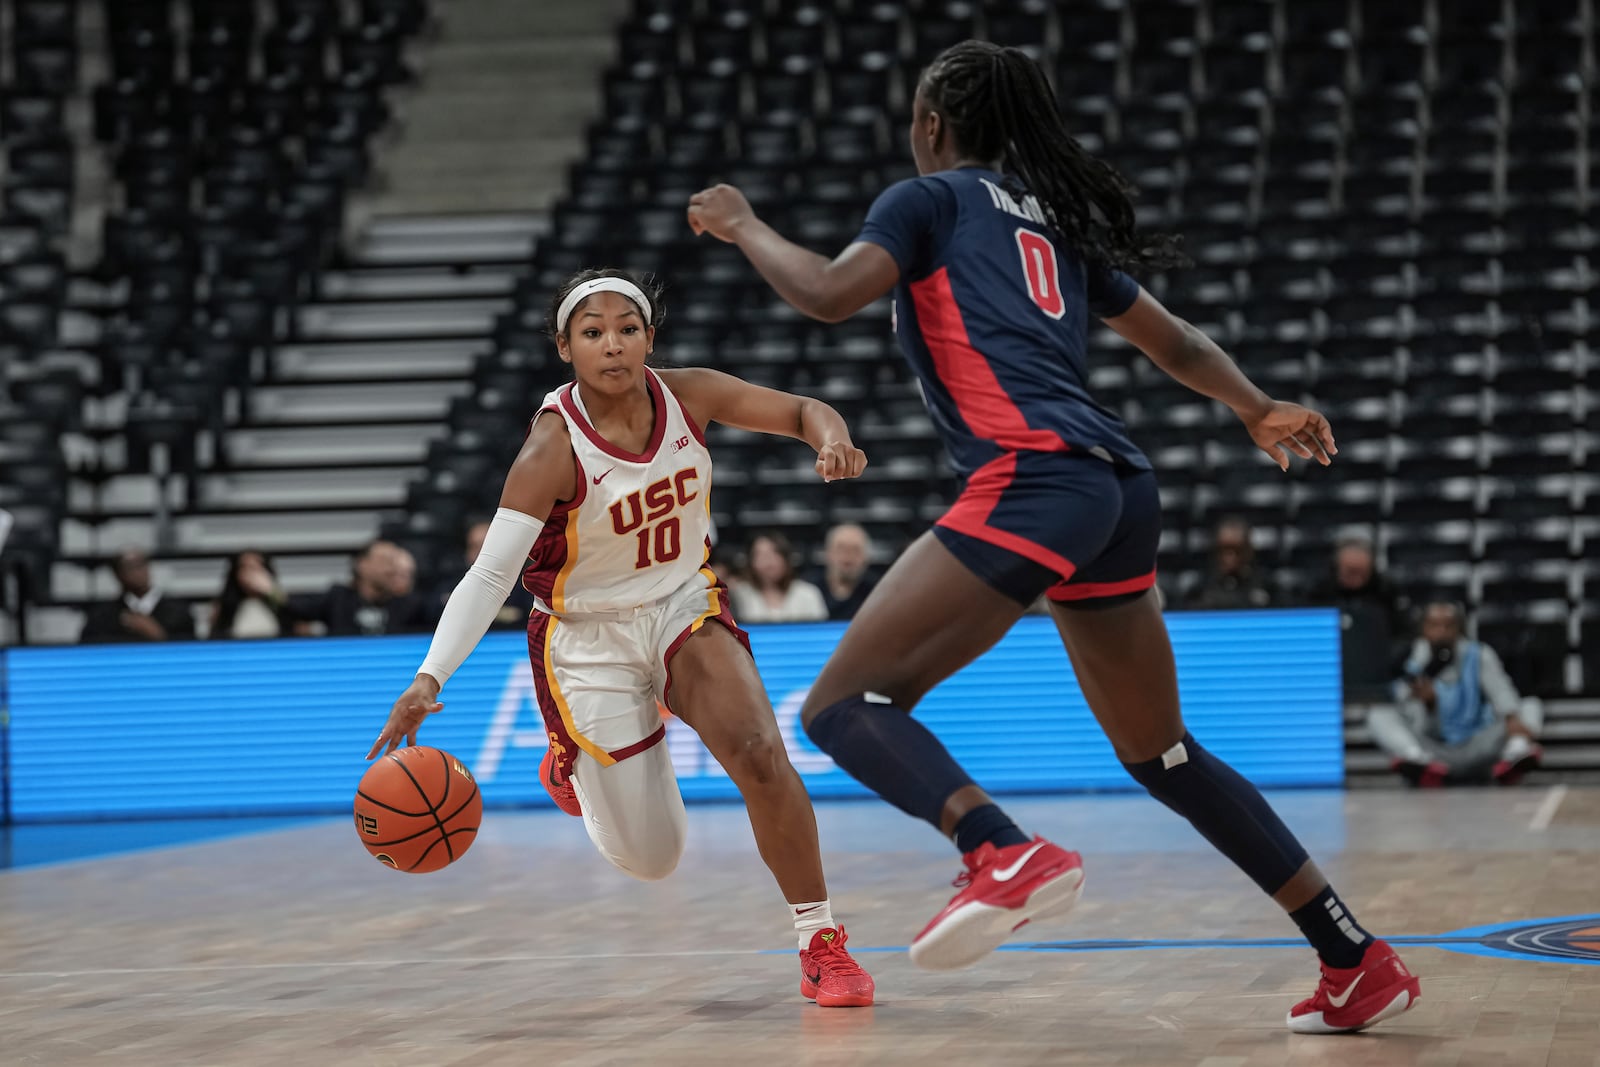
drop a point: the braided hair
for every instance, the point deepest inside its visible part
(999, 105)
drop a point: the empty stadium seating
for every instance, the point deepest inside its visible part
(40, 389)
(1386, 206)
(1387, 203)
(233, 132)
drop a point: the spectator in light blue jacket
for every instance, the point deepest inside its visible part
(1457, 717)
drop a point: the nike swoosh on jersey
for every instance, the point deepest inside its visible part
(1344, 998)
(598, 478)
(1005, 874)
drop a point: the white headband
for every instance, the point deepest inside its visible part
(582, 292)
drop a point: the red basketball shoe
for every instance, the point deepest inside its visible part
(830, 976)
(558, 785)
(1354, 998)
(1001, 889)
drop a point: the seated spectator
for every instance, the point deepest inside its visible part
(513, 614)
(252, 603)
(1372, 618)
(402, 573)
(140, 612)
(844, 577)
(1457, 717)
(378, 600)
(773, 593)
(1232, 581)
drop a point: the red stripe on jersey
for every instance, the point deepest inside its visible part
(970, 515)
(967, 376)
(565, 746)
(657, 401)
(1091, 590)
(549, 552)
(620, 754)
(718, 609)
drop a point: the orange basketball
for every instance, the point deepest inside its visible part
(418, 809)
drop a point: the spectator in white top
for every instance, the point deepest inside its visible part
(253, 603)
(773, 593)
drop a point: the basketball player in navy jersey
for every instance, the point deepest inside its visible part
(997, 255)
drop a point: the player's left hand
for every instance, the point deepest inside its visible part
(418, 702)
(1286, 428)
(838, 460)
(719, 211)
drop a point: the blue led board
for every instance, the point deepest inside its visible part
(282, 726)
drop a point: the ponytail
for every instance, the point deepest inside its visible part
(999, 105)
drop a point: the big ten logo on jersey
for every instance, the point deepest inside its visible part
(646, 515)
(680, 444)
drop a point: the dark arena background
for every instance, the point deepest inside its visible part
(273, 285)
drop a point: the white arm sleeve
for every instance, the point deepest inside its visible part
(481, 592)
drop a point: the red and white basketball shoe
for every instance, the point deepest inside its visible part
(558, 785)
(1354, 998)
(830, 976)
(1001, 889)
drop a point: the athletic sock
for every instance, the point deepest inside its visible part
(809, 918)
(1332, 930)
(987, 823)
(891, 753)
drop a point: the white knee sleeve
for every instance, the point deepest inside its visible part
(634, 812)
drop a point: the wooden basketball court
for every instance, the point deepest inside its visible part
(294, 947)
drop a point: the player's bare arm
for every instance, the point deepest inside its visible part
(712, 396)
(830, 290)
(1190, 357)
(541, 476)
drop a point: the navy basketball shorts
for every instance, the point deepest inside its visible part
(1071, 526)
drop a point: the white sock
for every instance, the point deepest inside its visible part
(809, 918)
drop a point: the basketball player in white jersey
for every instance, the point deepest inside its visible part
(608, 504)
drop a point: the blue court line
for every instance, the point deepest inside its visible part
(1240, 942)
(1474, 941)
(1424, 941)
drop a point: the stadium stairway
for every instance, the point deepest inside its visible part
(335, 424)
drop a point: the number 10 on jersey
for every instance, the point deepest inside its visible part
(665, 538)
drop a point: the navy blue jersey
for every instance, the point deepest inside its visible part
(992, 312)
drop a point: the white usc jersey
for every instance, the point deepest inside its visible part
(638, 526)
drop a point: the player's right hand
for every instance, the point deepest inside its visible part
(1284, 428)
(837, 460)
(418, 702)
(719, 211)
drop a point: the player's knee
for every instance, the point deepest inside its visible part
(757, 757)
(651, 867)
(1164, 776)
(812, 710)
(819, 700)
(650, 857)
(809, 710)
(822, 713)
